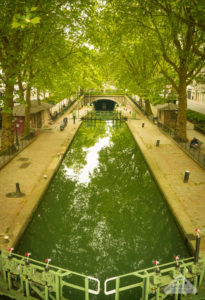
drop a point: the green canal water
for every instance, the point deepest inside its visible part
(103, 214)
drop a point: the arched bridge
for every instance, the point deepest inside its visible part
(119, 99)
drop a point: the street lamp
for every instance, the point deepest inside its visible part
(17, 141)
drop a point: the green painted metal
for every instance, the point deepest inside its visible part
(103, 115)
(179, 278)
(20, 277)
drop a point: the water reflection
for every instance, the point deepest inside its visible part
(91, 161)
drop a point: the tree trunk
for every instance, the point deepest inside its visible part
(182, 107)
(140, 101)
(27, 110)
(148, 109)
(7, 140)
(21, 90)
(38, 96)
(28, 104)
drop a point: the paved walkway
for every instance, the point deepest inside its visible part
(190, 130)
(28, 168)
(168, 164)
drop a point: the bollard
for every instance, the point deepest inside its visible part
(142, 124)
(198, 240)
(6, 238)
(186, 176)
(196, 255)
(18, 191)
(157, 143)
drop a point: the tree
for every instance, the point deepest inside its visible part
(10, 46)
(177, 41)
(29, 31)
(175, 33)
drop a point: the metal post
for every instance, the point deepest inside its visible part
(18, 191)
(4, 274)
(176, 290)
(21, 283)
(146, 288)
(202, 272)
(57, 287)
(157, 143)
(157, 293)
(196, 255)
(117, 286)
(46, 292)
(17, 141)
(27, 288)
(9, 280)
(196, 282)
(86, 288)
(186, 176)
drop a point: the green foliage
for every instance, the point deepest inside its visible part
(195, 117)
(25, 17)
(200, 128)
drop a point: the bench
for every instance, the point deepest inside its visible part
(197, 146)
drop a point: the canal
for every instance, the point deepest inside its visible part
(103, 214)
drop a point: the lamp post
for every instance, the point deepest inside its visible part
(17, 141)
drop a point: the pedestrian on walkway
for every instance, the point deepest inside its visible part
(74, 116)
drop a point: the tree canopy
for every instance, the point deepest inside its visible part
(141, 46)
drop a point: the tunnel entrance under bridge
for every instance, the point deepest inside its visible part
(104, 105)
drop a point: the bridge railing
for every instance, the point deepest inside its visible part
(180, 277)
(103, 115)
(21, 276)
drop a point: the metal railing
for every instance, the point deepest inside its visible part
(63, 110)
(195, 153)
(103, 116)
(180, 277)
(19, 145)
(21, 276)
(137, 104)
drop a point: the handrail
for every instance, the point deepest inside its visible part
(105, 286)
(98, 285)
(22, 274)
(157, 278)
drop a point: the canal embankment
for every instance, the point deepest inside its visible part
(168, 164)
(33, 169)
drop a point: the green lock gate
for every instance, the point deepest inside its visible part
(24, 277)
(182, 277)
